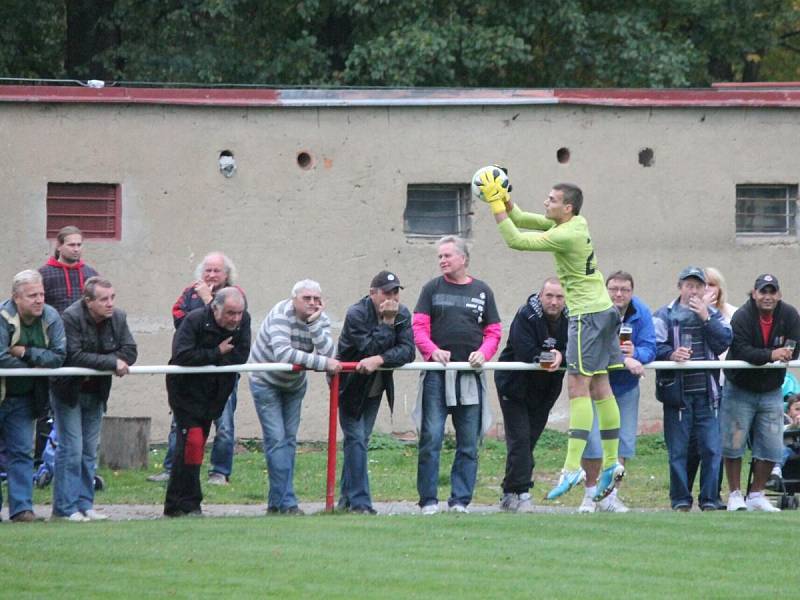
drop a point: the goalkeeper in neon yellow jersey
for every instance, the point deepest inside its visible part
(593, 344)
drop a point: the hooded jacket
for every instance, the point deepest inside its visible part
(526, 340)
(364, 334)
(748, 344)
(51, 357)
(196, 344)
(93, 346)
(63, 284)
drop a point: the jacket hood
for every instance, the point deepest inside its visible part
(535, 304)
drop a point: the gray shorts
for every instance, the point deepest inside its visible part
(593, 344)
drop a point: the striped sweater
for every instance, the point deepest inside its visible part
(283, 338)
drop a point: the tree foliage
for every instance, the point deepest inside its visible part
(515, 43)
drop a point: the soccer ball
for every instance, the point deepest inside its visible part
(495, 172)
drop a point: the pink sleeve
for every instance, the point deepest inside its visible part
(491, 340)
(422, 335)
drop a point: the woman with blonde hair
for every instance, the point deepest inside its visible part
(717, 293)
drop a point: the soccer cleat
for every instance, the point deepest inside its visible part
(509, 502)
(566, 482)
(736, 501)
(608, 480)
(587, 505)
(760, 503)
(612, 504)
(430, 509)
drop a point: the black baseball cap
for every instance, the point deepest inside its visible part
(766, 280)
(695, 272)
(385, 281)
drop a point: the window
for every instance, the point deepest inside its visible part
(437, 209)
(94, 208)
(769, 209)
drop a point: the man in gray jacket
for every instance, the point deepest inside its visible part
(97, 338)
(31, 335)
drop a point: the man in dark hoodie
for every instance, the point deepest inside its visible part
(217, 334)
(765, 329)
(526, 397)
(377, 333)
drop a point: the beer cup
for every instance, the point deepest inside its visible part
(547, 359)
(625, 332)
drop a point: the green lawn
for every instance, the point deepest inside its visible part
(393, 467)
(638, 555)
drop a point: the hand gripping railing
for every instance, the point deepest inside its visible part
(349, 367)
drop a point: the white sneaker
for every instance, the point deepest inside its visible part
(612, 504)
(525, 503)
(736, 501)
(76, 517)
(430, 509)
(760, 503)
(509, 502)
(93, 515)
(459, 508)
(587, 505)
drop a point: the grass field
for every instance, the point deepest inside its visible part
(636, 555)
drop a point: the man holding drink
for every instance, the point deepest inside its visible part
(687, 329)
(637, 341)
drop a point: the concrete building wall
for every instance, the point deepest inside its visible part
(341, 220)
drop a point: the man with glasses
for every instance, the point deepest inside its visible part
(297, 332)
(638, 345)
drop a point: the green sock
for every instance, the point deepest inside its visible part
(581, 416)
(608, 420)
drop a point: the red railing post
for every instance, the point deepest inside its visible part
(330, 484)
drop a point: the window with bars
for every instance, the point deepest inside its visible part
(433, 210)
(766, 210)
(95, 208)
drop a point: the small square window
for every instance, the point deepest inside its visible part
(94, 208)
(434, 210)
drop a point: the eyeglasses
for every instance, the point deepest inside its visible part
(311, 298)
(620, 290)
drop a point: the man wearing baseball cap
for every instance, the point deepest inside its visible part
(377, 333)
(765, 329)
(688, 329)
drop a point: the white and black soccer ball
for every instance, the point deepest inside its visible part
(495, 172)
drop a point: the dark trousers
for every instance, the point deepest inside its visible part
(524, 422)
(184, 493)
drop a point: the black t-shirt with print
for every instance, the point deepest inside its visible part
(459, 313)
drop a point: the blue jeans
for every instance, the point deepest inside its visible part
(467, 423)
(224, 439)
(355, 469)
(628, 403)
(16, 427)
(279, 413)
(697, 420)
(78, 431)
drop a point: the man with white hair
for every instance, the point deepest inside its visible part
(31, 335)
(216, 271)
(296, 331)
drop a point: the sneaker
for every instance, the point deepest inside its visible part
(295, 511)
(775, 481)
(77, 517)
(525, 503)
(736, 501)
(612, 503)
(608, 480)
(159, 477)
(566, 482)
(430, 509)
(509, 502)
(587, 505)
(760, 503)
(682, 507)
(27, 516)
(217, 479)
(93, 515)
(363, 510)
(458, 508)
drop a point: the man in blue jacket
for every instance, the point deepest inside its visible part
(31, 335)
(637, 351)
(688, 329)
